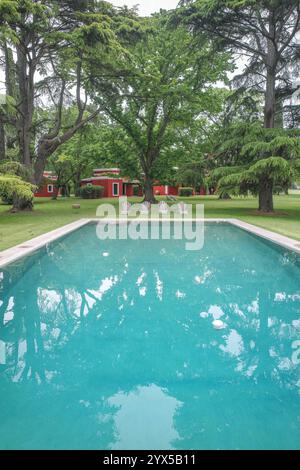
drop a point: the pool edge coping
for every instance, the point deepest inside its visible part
(19, 251)
(26, 248)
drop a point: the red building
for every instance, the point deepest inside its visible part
(48, 187)
(114, 185)
(165, 190)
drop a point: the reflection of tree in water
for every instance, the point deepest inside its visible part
(88, 329)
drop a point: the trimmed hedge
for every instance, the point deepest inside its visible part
(186, 192)
(91, 192)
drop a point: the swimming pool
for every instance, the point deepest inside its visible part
(110, 344)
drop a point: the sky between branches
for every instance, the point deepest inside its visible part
(146, 7)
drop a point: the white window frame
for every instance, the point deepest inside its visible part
(50, 186)
(116, 185)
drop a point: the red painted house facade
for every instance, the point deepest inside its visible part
(48, 187)
(165, 190)
(114, 185)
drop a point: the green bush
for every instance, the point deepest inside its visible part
(186, 192)
(91, 192)
(13, 190)
(136, 190)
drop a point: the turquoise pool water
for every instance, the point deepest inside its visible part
(110, 345)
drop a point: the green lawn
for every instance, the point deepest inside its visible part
(48, 215)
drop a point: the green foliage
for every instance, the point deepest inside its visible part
(136, 190)
(191, 173)
(186, 192)
(274, 169)
(13, 188)
(166, 84)
(91, 192)
(251, 158)
(15, 168)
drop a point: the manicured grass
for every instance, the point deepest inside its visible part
(48, 215)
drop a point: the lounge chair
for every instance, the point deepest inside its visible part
(182, 208)
(163, 208)
(145, 207)
(125, 208)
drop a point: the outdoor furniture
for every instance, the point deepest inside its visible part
(163, 208)
(145, 207)
(125, 208)
(182, 208)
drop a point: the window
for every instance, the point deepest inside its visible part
(115, 189)
(50, 188)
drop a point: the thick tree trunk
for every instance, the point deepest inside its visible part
(271, 64)
(266, 189)
(266, 197)
(47, 145)
(148, 191)
(270, 99)
(26, 107)
(39, 167)
(20, 204)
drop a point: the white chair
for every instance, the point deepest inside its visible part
(145, 207)
(125, 208)
(163, 208)
(182, 208)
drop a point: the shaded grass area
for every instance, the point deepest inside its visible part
(49, 215)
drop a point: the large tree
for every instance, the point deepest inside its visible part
(167, 81)
(254, 158)
(49, 43)
(265, 32)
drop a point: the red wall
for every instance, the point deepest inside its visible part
(43, 191)
(161, 190)
(107, 184)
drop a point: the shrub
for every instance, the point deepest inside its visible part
(91, 192)
(13, 190)
(136, 190)
(186, 192)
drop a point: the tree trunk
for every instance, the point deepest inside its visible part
(20, 204)
(224, 196)
(76, 181)
(39, 167)
(271, 64)
(2, 141)
(266, 188)
(148, 191)
(270, 99)
(266, 197)
(26, 107)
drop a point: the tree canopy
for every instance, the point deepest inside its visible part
(202, 95)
